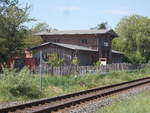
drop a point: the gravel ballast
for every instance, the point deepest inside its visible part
(93, 106)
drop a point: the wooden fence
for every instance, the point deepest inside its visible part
(66, 70)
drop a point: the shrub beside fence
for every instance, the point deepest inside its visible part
(66, 70)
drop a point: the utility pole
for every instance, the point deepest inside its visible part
(41, 70)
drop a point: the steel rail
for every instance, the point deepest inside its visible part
(68, 103)
(77, 101)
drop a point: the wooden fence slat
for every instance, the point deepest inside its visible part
(66, 70)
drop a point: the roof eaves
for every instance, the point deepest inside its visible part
(69, 46)
(73, 32)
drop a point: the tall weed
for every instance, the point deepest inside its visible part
(18, 85)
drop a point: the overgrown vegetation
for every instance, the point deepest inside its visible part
(18, 86)
(24, 86)
(75, 60)
(98, 63)
(54, 60)
(137, 104)
(134, 38)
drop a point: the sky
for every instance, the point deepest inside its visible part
(84, 14)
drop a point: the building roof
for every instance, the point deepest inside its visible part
(73, 47)
(72, 32)
(69, 46)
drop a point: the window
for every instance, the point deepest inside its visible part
(106, 44)
(84, 41)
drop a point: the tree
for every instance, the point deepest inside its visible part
(103, 25)
(12, 30)
(54, 60)
(39, 27)
(75, 60)
(98, 63)
(134, 38)
(31, 39)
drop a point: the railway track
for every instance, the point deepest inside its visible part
(68, 100)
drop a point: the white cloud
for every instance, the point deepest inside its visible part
(119, 11)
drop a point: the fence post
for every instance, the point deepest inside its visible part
(84, 69)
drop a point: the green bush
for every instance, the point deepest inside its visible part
(136, 58)
(98, 63)
(18, 85)
(147, 67)
(75, 60)
(54, 60)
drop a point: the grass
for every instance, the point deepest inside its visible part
(136, 104)
(23, 86)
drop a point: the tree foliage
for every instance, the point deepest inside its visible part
(134, 38)
(103, 25)
(75, 60)
(98, 63)
(31, 39)
(12, 30)
(54, 60)
(39, 27)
